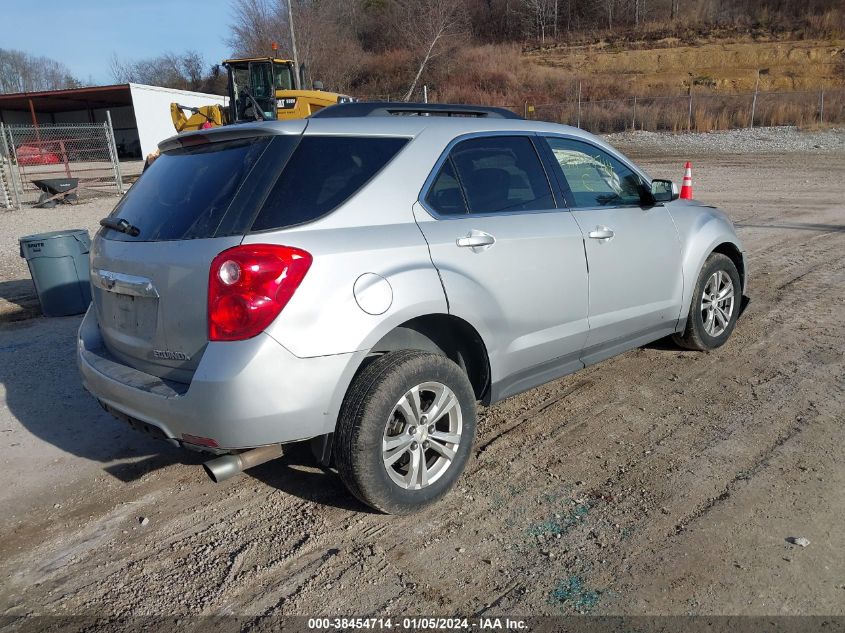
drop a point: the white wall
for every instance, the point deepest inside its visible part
(152, 111)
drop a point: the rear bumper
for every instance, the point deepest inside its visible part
(243, 394)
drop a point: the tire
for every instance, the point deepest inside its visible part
(701, 333)
(44, 201)
(379, 408)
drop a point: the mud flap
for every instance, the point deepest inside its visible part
(321, 448)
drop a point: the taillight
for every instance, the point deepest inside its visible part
(249, 285)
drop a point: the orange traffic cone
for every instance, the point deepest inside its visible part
(686, 186)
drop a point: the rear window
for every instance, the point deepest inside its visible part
(185, 193)
(323, 173)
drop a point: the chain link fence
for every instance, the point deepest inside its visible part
(695, 112)
(692, 112)
(30, 155)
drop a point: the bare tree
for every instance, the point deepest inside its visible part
(543, 13)
(22, 72)
(608, 6)
(328, 45)
(426, 26)
(186, 71)
(324, 39)
(256, 24)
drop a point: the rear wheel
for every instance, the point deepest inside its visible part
(405, 431)
(715, 305)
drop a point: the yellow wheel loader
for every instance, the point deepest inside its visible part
(260, 88)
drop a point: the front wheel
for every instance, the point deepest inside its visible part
(715, 305)
(405, 431)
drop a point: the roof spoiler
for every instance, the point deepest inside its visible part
(390, 108)
(232, 132)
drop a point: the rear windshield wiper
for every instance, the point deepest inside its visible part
(119, 224)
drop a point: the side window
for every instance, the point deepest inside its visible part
(595, 178)
(282, 73)
(501, 174)
(445, 195)
(322, 173)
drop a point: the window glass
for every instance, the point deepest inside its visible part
(185, 192)
(284, 76)
(323, 172)
(261, 80)
(595, 178)
(501, 174)
(445, 195)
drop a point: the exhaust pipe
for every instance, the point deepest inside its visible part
(227, 466)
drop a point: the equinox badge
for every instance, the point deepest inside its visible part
(166, 354)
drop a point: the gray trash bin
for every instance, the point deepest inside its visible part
(58, 263)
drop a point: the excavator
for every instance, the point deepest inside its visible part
(259, 89)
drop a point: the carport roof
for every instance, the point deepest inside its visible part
(71, 99)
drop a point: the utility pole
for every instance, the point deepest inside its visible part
(293, 43)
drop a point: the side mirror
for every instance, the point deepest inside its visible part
(664, 190)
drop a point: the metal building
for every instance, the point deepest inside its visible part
(140, 114)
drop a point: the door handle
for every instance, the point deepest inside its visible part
(123, 284)
(476, 239)
(601, 233)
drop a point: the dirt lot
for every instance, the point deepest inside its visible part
(659, 482)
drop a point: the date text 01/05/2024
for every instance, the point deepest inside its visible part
(430, 623)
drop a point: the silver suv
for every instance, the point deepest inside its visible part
(364, 277)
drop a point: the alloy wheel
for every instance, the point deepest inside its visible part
(717, 303)
(422, 435)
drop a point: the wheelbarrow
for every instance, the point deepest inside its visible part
(56, 190)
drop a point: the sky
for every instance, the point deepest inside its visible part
(83, 34)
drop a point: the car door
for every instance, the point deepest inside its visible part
(511, 262)
(633, 249)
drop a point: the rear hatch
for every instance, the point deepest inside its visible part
(197, 199)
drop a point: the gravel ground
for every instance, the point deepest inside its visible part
(659, 482)
(767, 140)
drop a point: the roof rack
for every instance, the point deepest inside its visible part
(390, 108)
